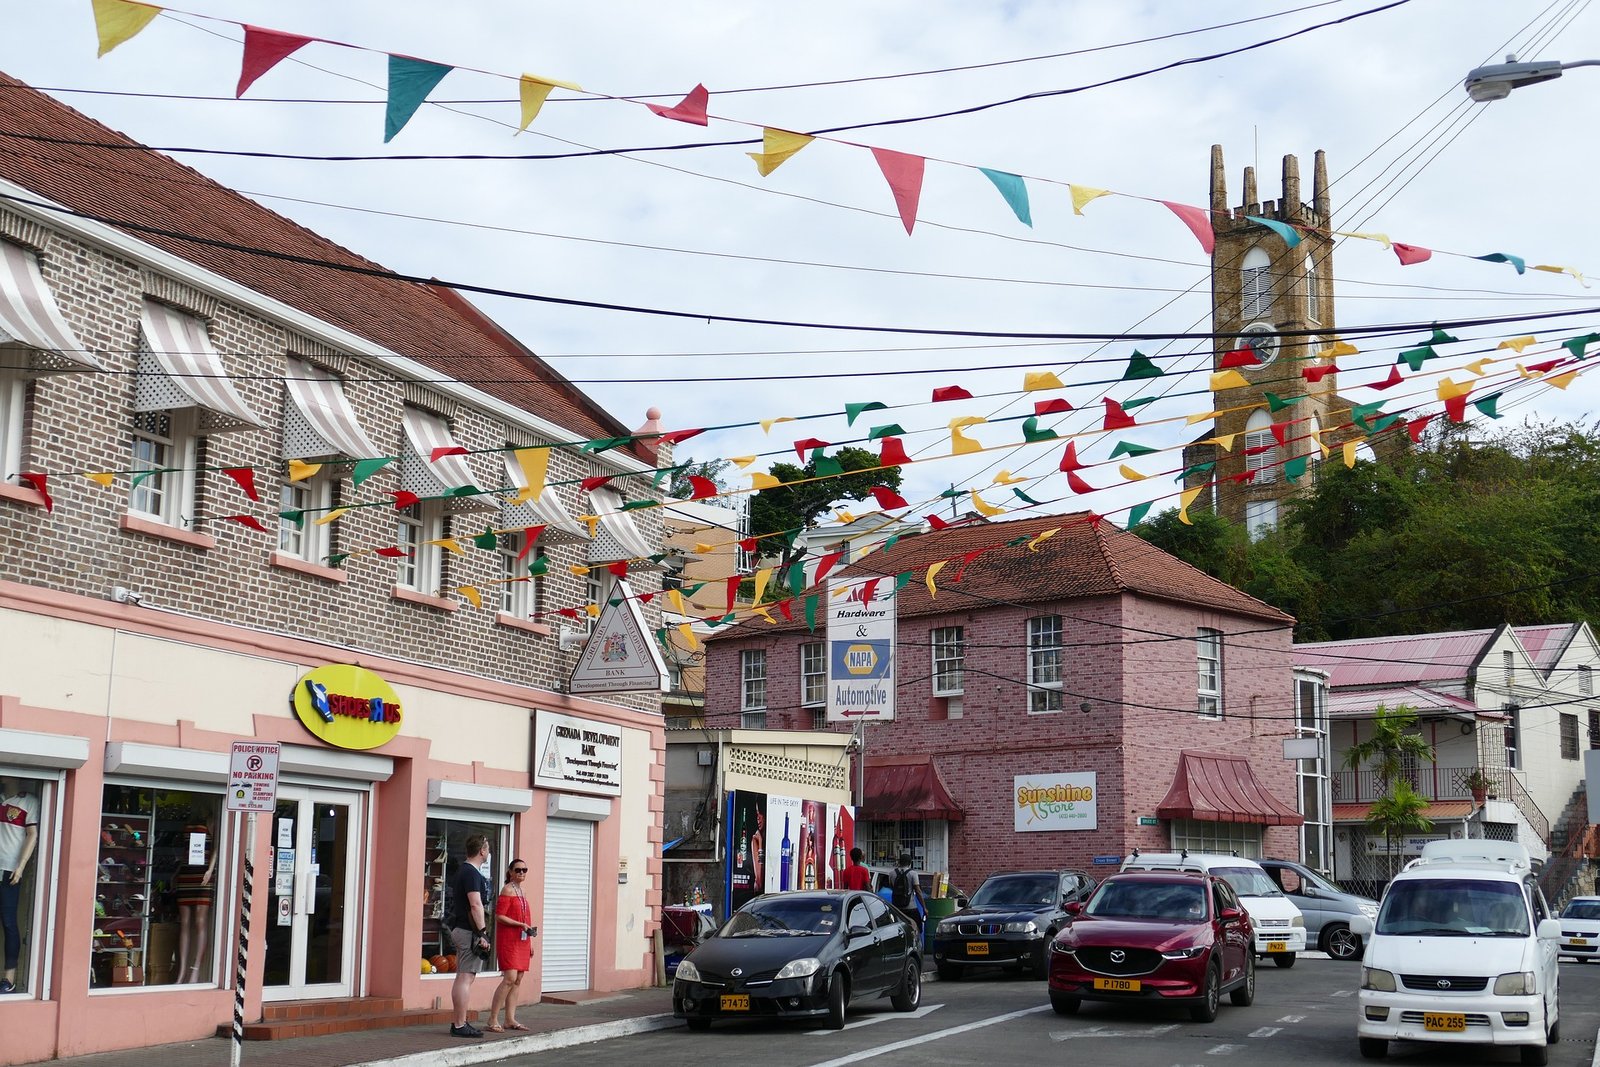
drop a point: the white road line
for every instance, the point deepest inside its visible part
(1595, 1061)
(1265, 1031)
(1293, 1019)
(1343, 993)
(1223, 1050)
(912, 1042)
(1101, 1031)
(882, 1017)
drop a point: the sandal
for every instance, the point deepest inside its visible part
(495, 1028)
(515, 1026)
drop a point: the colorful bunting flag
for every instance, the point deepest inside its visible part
(1014, 190)
(851, 411)
(960, 443)
(1489, 405)
(1036, 381)
(932, 573)
(1339, 348)
(887, 498)
(410, 82)
(1184, 500)
(1129, 448)
(1031, 433)
(1290, 235)
(1316, 374)
(776, 148)
(808, 444)
(1414, 427)
(1083, 194)
(1069, 458)
(1130, 474)
(1025, 498)
(366, 468)
(893, 429)
(117, 21)
(1140, 366)
(41, 485)
(299, 471)
(246, 479)
(691, 109)
(1240, 357)
(1390, 382)
(1050, 407)
(1116, 418)
(903, 172)
(1295, 468)
(983, 506)
(892, 453)
(263, 50)
(1198, 221)
(101, 478)
(533, 91)
(949, 392)
(1137, 513)
(329, 517)
(404, 498)
(1409, 254)
(1416, 357)
(702, 488)
(1227, 379)
(761, 480)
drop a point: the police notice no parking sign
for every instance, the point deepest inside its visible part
(253, 776)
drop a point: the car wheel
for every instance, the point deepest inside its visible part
(1554, 1036)
(949, 972)
(1284, 959)
(838, 997)
(1374, 1048)
(1537, 1055)
(1063, 1004)
(699, 1025)
(1206, 1010)
(1041, 966)
(1244, 994)
(910, 994)
(1340, 943)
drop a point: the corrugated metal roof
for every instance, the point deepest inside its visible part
(1545, 644)
(1409, 659)
(1362, 701)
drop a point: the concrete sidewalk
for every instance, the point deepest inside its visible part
(550, 1026)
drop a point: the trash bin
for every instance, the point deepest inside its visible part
(938, 908)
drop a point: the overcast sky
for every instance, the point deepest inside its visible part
(819, 241)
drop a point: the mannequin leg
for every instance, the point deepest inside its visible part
(185, 924)
(199, 939)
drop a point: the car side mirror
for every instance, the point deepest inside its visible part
(1550, 930)
(1229, 915)
(1361, 926)
(1074, 907)
(961, 902)
(1307, 891)
(860, 931)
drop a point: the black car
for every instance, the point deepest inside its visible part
(1009, 921)
(798, 955)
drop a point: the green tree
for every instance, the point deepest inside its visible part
(795, 506)
(1398, 814)
(1393, 741)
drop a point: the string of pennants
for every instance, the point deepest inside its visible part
(411, 80)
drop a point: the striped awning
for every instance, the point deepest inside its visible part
(547, 511)
(617, 536)
(30, 319)
(179, 368)
(426, 432)
(318, 421)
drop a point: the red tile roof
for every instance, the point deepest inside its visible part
(139, 187)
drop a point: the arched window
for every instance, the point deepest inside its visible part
(1313, 289)
(1260, 448)
(1255, 285)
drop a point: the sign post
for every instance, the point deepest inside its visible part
(252, 788)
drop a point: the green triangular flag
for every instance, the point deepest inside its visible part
(140, 476)
(796, 578)
(902, 580)
(366, 468)
(891, 430)
(790, 535)
(953, 493)
(1488, 405)
(1198, 468)
(1024, 496)
(487, 539)
(410, 82)
(691, 590)
(337, 558)
(1137, 513)
(1015, 190)
(463, 490)
(853, 410)
(1295, 469)
(635, 505)
(658, 557)
(1415, 357)
(1018, 542)
(603, 443)
(1359, 414)
(1136, 402)
(1032, 433)
(296, 517)
(1441, 338)
(655, 479)
(539, 567)
(825, 466)
(890, 542)
(811, 613)
(1576, 345)
(1128, 448)
(1140, 366)
(1278, 403)
(1384, 423)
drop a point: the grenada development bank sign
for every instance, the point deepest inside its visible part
(861, 621)
(1055, 802)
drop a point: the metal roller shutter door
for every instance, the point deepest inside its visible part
(568, 899)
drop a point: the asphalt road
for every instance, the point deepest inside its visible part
(1303, 1016)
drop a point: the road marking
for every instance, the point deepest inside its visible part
(1100, 1031)
(1222, 1050)
(1265, 1031)
(882, 1017)
(912, 1042)
(1343, 993)
(1293, 1019)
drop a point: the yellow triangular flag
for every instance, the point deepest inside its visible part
(702, 549)
(450, 543)
(1553, 269)
(960, 443)
(762, 576)
(741, 461)
(686, 631)
(1349, 451)
(1339, 348)
(471, 594)
(768, 424)
(299, 470)
(763, 480)
(1380, 237)
(1007, 478)
(983, 506)
(677, 601)
(1033, 546)
(1033, 381)
(593, 522)
(1228, 379)
(845, 517)
(329, 517)
(1561, 381)
(1131, 474)
(1479, 367)
(579, 570)
(1517, 344)
(776, 147)
(933, 569)
(535, 462)
(1223, 441)
(118, 20)
(1185, 500)
(1525, 373)
(1316, 435)
(593, 610)
(104, 478)
(1192, 419)
(765, 614)
(1082, 194)
(1448, 389)
(534, 90)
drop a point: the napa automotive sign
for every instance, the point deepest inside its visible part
(861, 622)
(1054, 802)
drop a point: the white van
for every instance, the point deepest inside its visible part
(1464, 950)
(1280, 927)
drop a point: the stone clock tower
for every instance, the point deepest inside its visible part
(1275, 299)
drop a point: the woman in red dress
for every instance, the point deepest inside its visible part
(513, 927)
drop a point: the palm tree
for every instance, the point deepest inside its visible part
(1397, 814)
(1393, 742)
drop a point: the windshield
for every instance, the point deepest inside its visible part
(1249, 881)
(783, 917)
(1449, 907)
(1166, 901)
(1582, 909)
(1017, 891)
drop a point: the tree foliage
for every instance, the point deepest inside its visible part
(795, 506)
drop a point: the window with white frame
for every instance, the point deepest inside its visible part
(444, 847)
(1221, 838)
(164, 448)
(675, 676)
(13, 413)
(1260, 448)
(301, 504)
(813, 674)
(949, 660)
(744, 559)
(1508, 659)
(1513, 731)
(1208, 657)
(1255, 285)
(753, 687)
(1260, 516)
(521, 595)
(1044, 664)
(1313, 289)
(415, 527)
(819, 718)
(1585, 681)
(1569, 736)
(597, 590)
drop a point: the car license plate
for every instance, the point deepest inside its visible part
(1448, 1022)
(977, 948)
(1118, 985)
(1577, 940)
(735, 1002)
(1277, 946)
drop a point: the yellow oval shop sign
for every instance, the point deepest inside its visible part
(346, 706)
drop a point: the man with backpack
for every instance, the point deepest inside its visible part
(904, 891)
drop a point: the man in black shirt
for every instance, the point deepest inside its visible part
(469, 891)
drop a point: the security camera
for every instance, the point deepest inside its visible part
(123, 595)
(1085, 707)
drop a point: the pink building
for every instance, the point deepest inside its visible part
(1060, 701)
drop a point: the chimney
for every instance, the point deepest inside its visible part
(1319, 189)
(1290, 208)
(1219, 185)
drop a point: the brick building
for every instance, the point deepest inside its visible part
(161, 608)
(1046, 664)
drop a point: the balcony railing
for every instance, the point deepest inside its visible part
(1444, 783)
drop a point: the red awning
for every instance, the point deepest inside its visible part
(1214, 787)
(907, 787)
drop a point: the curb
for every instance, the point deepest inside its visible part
(521, 1046)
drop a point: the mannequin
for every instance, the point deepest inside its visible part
(196, 893)
(19, 833)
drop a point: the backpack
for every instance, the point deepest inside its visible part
(900, 889)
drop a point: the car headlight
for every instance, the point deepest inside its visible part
(804, 967)
(1061, 947)
(1369, 910)
(948, 928)
(688, 972)
(1516, 984)
(1298, 921)
(1027, 927)
(1184, 953)
(1381, 981)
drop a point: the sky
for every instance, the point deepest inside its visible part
(700, 232)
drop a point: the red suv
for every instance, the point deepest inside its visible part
(1171, 936)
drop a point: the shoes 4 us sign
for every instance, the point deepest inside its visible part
(861, 621)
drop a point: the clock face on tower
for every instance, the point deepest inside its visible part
(1261, 339)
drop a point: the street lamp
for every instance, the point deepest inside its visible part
(1496, 81)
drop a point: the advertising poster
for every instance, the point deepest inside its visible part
(747, 813)
(1055, 802)
(783, 818)
(861, 621)
(843, 839)
(812, 854)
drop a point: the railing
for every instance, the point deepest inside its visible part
(1444, 783)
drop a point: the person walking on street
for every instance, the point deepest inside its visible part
(904, 892)
(513, 926)
(469, 934)
(856, 876)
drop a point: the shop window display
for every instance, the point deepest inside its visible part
(21, 804)
(156, 887)
(442, 857)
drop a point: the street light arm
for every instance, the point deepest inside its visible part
(1495, 81)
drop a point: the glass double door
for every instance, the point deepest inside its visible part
(313, 884)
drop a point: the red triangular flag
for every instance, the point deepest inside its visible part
(246, 477)
(806, 444)
(1069, 458)
(40, 483)
(1456, 408)
(1410, 254)
(733, 589)
(1547, 365)
(937, 523)
(1094, 520)
(263, 50)
(892, 453)
(1198, 221)
(702, 487)
(530, 534)
(619, 568)
(904, 175)
(950, 392)
(248, 520)
(1240, 357)
(1316, 374)
(786, 608)
(748, 544)
(645, 598)
(678, 436)
(1390, 382)
(570, 613)
(391, 552)
(1077, 484)
(595, 481)
(965, 560)
(1116, 418)
(691, 109)
(1050, 407)
(1414, 427)
(442, 451)
(1280, 432)
(825, 564)
(887, 498)
(404, 498)
(869, 589)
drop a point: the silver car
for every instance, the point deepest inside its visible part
(1327, 908)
